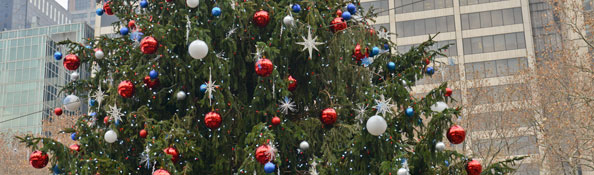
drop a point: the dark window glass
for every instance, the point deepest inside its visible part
(488, 44)
(508, 16)
(511, 41)
(477, 45)
(497, 18)
(499, 42)
(485, 19)
(419, 27)
(465, 22)
(475, 21)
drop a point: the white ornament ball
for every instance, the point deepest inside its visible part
(376, 125)
(111, 136)
(192, 3)
(439, 106)
(71, 103)
(93, 73)
(74, 76)
(181, 95)
(402, 171)
(289, 21)
(440, 146)
(99, 54)
(304, 145)
(198, 49)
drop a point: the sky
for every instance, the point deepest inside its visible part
(64, 3)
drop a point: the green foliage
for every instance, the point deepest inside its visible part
(247, 102)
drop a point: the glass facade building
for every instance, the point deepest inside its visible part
(30, 77)
(21, 14)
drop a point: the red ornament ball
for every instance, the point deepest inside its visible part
(126, 89)
(292, 83)
(212, 120)
(427, 61)
(173, 152)
(38, 159)
(261, 18)
(151, 83)
(58, 111)
(328, 116)
(474, 167)
(338, 24)
(448, 92)
(106, 119)
(168, 0)
(107, 9)
(161, 172)
(149, 45)
(132, 24)
(264, 67)
(74, 147)
(456, 134)
(358, 53)
(143, 133)
(71, 62)
(338, 12)
(276, 121)
(264, 154)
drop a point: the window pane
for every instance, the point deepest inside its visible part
(467, 46)
(521, 40)
(464, 21)
(490, 69)
(513, 66)
(449, 3)
(439, 4)
(483, 1)
(409, 28)
(502, 68)
(477, 45)
(499, 42)
(518, 15)
(417, 6)
(451, 24)
(441, 23)
(407, 7)
(510, 41)
(479, 69)
(497, 18)
(488, 44)
(523, 63)
(428, 5)
(463, 2)
(469, 71)
(475, 21)
(400, 29)
(430, 25)
(419, 27)
(508, 16)
(471, 2)
(485, 19)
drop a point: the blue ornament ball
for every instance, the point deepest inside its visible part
(352, 8)
(203, 88)
(153, 74)
(124, 31)
(88, 47)
(386, 47)
(56, 169)
(447, 163)
(296, 8)
(143, 4)
(346, 15)
(117, 122)
(92, 102)
(73, 136)
(269, 167)
(216, 11)
(375, 50)
(58, 55)
(99, 11)
(430, 70)
(391, 66)
(410, 112)
(93, 114)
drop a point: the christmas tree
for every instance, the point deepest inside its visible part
(238, 87)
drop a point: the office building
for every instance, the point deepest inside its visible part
(21, 14)
(491, 42)
(82, 11)
(30, 77)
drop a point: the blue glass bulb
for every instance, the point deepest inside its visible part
(143, 4)
(346, 15)
(352, 8)
(296, 8)
(386, 47)
(99, 11)
(375, 50)
(124, 31)
(410, 112)
(216, 11)
(153, 74)
(58, 55)
(73, 136)
(391, 66)
(430, 71)
(92, 102)
(269, 167)
(203, 88)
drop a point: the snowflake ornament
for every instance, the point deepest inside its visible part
(99, 96)
(210, 86)
(115, 112)
(361, 112)
(145, 157)
(287, 105)
(383, 105)
(383, 34)
(310, 43)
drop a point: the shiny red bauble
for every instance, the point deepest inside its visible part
(338, 24)
(161, 172)
(38, 159)
(168, 0)
(107, 9)
(328, 116)
(474, 168)
(58, 111)
(338, 12)
(292, 83)
(132, 24)
(448, 92)
(149, 45)
(74, 147)
(212, 120)
(456, 134)
(261, 18)
(151, 83)
(264, 67)
(143, 133)
(358, 53)
(264, 154)
(126, 89)
(71, 62)
(173, 152)
(106, 119)
(276, 121)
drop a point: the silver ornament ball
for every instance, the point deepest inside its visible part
(402, 171)
(440, 146)
(181, 95)
(99, 54)
(74, 76)
(304, 145)
(289, 21)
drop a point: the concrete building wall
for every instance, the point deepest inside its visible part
(20, 14)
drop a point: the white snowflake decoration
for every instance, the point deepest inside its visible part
(361, 112)
(287, 105)
(99, 97)
(383, 105)
(115, 112)
(210, 86)
(312, 169)
(383, 34)
(231, 32)
(145, 157)
(310, 43)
